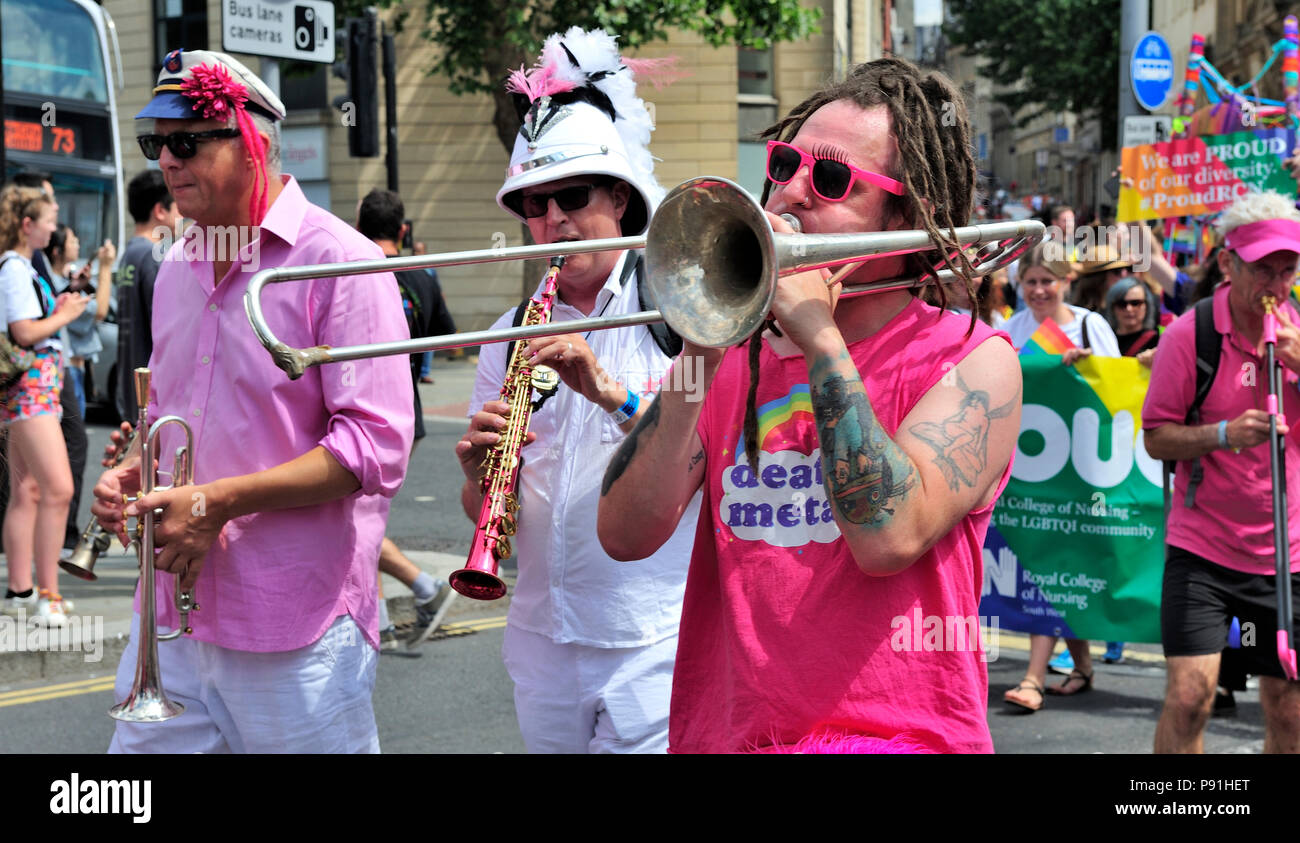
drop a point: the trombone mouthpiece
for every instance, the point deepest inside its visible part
(1269, 302)
(142, 376)
(794, 222)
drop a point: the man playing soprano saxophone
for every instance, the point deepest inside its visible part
(589, 642)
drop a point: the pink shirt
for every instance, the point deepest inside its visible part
(782, 634)
(1231, 522)
(276, 580)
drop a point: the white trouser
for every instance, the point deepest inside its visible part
(575, 699)
(311, 700)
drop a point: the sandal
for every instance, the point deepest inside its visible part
(1025, 685)
(1076, 675)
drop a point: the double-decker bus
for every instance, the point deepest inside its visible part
(60, 110)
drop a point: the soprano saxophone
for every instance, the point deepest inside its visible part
(497, 517)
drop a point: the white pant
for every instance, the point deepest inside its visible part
(311, 700)
(575, 699)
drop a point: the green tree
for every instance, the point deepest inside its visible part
(479, 41)
(1047, 55)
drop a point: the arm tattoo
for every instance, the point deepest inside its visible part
(863, 468)
(961, 441)
(695, 460)
(623, 456)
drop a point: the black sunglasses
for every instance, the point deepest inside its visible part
(182, 144)
(572, 198)
(1126, 304)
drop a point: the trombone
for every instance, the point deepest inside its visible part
(712, 264)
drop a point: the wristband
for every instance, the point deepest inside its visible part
(629, 408)
(1223, 434)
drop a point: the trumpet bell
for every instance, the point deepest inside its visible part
(81, 564)
(709, 257)
(146, 705)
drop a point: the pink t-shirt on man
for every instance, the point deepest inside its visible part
(1231, 520)
(782, 635)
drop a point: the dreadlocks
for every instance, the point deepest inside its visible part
(932, 128)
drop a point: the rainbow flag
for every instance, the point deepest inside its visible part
(1048, 339)
(1180, 238)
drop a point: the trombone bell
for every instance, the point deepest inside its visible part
(708, 249)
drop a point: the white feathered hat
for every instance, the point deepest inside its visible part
(581, 116)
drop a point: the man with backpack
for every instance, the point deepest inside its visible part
(381, 217)
(590, 642)
(1206, 409)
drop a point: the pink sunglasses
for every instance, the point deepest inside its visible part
(831, 179)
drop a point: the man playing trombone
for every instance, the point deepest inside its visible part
(589, 643)
(845, 507)
(279, 535)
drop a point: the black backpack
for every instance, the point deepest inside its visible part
(1209, 345)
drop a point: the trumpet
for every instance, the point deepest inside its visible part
(712, 265)
(147, 702)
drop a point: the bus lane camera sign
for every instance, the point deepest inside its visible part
(286, 29)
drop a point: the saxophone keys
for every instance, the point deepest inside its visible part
(508, 526)
(545, 379)
(503, 548)
(512, 502)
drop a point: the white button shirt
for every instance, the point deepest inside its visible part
(569, 590)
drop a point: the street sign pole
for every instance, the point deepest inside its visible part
(1133, 22)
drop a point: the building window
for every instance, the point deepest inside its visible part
(179, 23)
(756, 110)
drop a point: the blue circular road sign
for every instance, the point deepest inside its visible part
(1152, 70)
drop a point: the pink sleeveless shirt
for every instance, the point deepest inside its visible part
(782, 635)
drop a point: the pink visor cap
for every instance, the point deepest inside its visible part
(1259, 239)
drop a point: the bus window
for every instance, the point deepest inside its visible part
(51, 48)
(85, 206)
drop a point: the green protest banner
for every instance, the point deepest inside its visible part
(1076, 543)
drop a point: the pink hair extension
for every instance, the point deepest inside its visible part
(257, 202)
(658, 72)
(539, 82)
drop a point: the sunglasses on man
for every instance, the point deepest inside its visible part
(182, 144)
(530, 206)
(831, 179)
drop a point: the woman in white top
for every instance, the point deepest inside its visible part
(1044, 292)
(40, 479)
(1044, 285)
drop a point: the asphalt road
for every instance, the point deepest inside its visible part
(456, 697)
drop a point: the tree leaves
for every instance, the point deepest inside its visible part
(481, 40)
(1049, 55)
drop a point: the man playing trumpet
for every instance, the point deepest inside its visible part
(849, 500)
(279, 535)
(589, 643)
